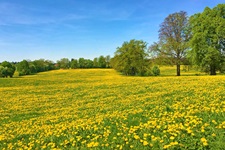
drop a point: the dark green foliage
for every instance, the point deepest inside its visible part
(74, 63)
(64, 63)
(88, 63)
(131, 58)
(155, 71)
(32, 67)
(95, 63)
(3, 72)
(23, 68)
(102, 62)
(208, 41)
(7, 69)
(43, 65)
(81, 62)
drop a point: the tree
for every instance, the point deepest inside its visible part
(88, 63)
(156, 71)
(23, 68)
(101, 62)
(49, 65)
(81, 62)
(174, 35)
(39, 65)
(64, 63)
(32, 67)
(74, 63)
(107, 60)
(7, 69)
(130, 58)
(2, 71)
(95, 62)
(208, 41)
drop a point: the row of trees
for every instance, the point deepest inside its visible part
(98, 62)
(196, 40)
(27, 67)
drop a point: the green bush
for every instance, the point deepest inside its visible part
(155, 71)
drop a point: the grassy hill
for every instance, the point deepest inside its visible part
(100, 109)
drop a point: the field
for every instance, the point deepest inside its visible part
(100, 109)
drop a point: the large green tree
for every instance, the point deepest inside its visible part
(174, 35)
(130, 58)
(23, 68)
(208, 41)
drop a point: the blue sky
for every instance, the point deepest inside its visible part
(55, 29)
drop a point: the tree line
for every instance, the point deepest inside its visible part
(27, 67)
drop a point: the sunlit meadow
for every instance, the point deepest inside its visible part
(101, 109)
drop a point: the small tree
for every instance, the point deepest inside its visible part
(130, 58)
(155, 71)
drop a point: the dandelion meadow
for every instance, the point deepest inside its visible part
(101, 109)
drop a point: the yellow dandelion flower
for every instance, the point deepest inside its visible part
(136, 137)
(145, 135)
(203, 139)
(145, 143)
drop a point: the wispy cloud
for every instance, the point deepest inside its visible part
(17, 14)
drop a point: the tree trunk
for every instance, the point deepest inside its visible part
(212, 70)
(178, 69)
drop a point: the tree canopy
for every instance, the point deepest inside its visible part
(7, 69)
(208, 41)
(23, 68)
(131, 58)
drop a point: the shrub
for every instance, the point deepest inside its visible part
(155, 71)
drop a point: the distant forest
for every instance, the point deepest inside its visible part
(183, 40)
(27, 67)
